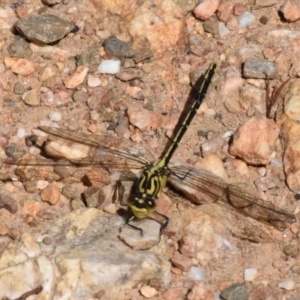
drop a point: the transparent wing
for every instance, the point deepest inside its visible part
(98, 153)
(93, 141)
(201, 186)
(209, 187)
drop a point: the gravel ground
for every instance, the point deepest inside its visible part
(124, 71)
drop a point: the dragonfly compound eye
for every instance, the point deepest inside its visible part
(150, 203)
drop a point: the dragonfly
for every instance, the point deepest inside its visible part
(154, 175)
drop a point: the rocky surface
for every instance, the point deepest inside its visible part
(119, 74)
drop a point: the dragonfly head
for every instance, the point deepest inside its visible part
(142, 207)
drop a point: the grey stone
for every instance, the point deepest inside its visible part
(90, 59)
(20, 48)
(45, 29)
(237, 291)
(116, 48)
(259, 68)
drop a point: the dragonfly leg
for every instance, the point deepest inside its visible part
(162, 227)
(132, 226)
(165, 224)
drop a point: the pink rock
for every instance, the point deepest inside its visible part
(141, 118)
(201, 291)
(239, 9)
(148, 291)
(225, 11)
(48, 72)
(145, 120)
(22, 12)
(164, 205)
(97, 177)
(3, 229)
(291, 10)
(32, 207)
(77, 78)
(174, 293)
(163, 25)
(232, 82)
(9, 61)
(50, 194)
(290, 134)
(210, 221)
(213, 163)
(182, 262)
(255, 140)
(206, 9)
(23, 67)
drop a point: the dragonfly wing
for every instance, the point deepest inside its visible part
(103, 162)
(77, 149)
(199, 185)
(70, 149)
(103, 144)
(263, 211)
(195, 183)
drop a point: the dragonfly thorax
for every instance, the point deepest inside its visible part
(148, 189)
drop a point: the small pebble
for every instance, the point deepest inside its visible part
(50, 194)
(19, 89)
(109, 66)
(13, 151)
(250, 274)
(196, 273)
(31, 98)
(185, 67)
(263, 20)
(223, 30)
(239, 9)
(291, 250)
(210, 112)
(47, 98)
(246, 19)
(290, 10)
(21, 133)
(258, 68)
(41, 184)
(15, 233)
(241, 167)
(227, 135)
(287, 284)
(116, 48)
(103, 34)
(55, 116)
(236, 291)
(148, 291)
(262, 171)
(72, 10)
(30, 186)
(8, 203)
(93, 81)
(110, 208)
(47, 240)
(206, 9)
(77, 77)
(80, 96)
(23, 67)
